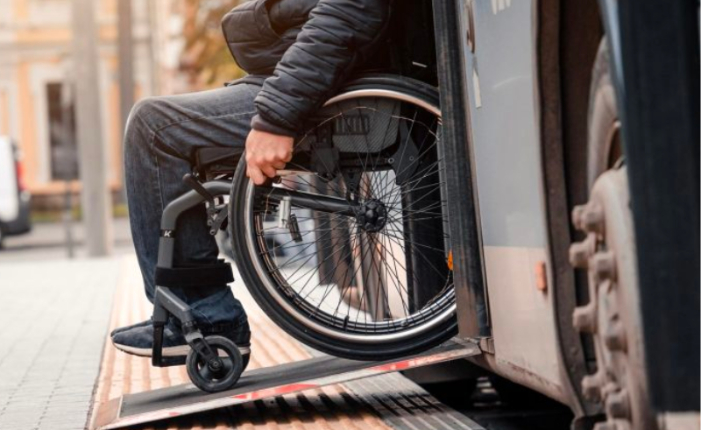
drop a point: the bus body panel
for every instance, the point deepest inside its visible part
(504, 118)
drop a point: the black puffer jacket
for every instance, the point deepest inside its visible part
(307, 48)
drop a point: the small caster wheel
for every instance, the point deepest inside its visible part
(207, 377)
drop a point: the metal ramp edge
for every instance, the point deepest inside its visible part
(185, 399)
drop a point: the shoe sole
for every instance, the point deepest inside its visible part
(172, 351)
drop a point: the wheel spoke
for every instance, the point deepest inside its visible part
(333, 256)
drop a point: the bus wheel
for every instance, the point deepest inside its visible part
(612, 315)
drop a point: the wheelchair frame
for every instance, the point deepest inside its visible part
(209, 189)
(166, 302)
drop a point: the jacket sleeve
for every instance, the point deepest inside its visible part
(338, 35)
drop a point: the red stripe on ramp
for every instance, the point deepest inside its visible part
(276, 391)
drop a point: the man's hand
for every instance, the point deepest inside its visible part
(265, 154)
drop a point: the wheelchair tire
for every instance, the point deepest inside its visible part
(221, 379)
(424, 329)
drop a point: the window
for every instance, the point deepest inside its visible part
(62, 140)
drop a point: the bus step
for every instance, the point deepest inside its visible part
(264, 383)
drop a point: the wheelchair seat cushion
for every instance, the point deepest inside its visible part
(217, 160)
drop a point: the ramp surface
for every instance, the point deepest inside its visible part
(262, 383)
(395, 403)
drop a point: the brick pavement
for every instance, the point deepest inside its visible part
(53, 321)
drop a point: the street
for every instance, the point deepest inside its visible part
(47, 241)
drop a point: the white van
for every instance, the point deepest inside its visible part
(14, 198)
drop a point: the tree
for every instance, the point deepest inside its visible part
(206, 58)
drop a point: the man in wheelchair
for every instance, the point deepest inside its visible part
(297, 54)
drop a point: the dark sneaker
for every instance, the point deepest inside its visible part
(139, 340)
(129, 327)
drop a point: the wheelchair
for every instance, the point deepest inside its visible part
(348, 249)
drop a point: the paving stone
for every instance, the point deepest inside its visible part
(49, 367)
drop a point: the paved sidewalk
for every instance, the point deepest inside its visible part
(54, 317)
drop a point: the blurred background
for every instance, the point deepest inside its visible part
(104, 55)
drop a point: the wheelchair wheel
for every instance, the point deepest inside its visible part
(213, 380)
(350, 252)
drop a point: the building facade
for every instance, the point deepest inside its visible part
(35, 81)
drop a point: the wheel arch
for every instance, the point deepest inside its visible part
(569, 35)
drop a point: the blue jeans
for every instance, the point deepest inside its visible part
(160, 140)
